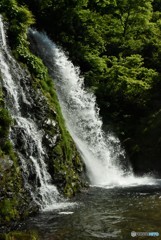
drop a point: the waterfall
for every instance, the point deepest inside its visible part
(2, 34)
(26, 136)
(101, 152)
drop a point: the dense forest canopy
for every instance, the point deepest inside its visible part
(99, 34)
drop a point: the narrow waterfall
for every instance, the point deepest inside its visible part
(25, 135)
(2, 34)
(101, 152)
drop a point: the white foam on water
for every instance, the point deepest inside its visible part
(66, 213)
(59, 205)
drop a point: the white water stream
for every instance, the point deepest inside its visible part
(100, 151)
(32, 156)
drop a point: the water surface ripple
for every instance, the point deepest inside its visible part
(103, 214)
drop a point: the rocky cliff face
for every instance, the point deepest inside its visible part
(35, 148)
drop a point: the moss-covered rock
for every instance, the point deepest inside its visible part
(19, 236)
(14, 199)
(63, 161)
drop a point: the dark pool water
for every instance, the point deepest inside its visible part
(103, 214)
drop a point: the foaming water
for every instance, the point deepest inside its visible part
(131, 181)
(101, 152)
(60, 205)
(65, 213)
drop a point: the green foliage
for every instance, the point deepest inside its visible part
(19, 236)
(127, 79)
(20, 19)
(126, 97)
(8, 209)
(94, 28)
(5, 121)
(34, 63)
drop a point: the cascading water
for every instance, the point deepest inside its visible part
(25, 134)
(2, 34)
(99, 151)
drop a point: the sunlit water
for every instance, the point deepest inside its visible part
(103, 214)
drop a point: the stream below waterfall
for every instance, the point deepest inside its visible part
(103, 214)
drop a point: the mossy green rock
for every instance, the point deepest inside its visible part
(63, 161)
(19, 236)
